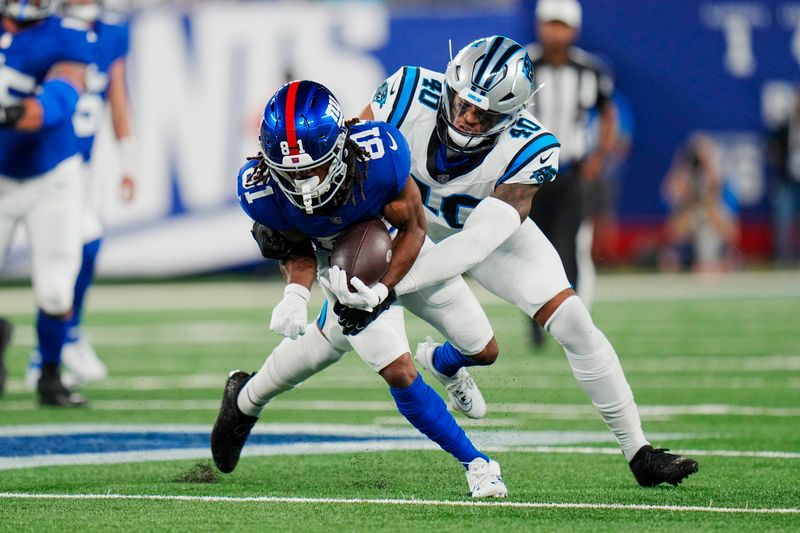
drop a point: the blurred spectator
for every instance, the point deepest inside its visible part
(702, 229)
(783, 150)
(603, 193)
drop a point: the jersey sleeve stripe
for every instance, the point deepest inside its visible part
(408, 86)
(534, 147)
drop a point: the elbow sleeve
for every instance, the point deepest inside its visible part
(58, 99)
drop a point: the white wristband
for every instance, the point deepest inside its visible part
(128, 154)
(297, 289)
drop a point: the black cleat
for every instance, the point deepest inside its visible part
(232, 426)
(5, 338)
(52, 392)
(652, 467)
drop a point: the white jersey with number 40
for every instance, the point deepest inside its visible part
(524, 153)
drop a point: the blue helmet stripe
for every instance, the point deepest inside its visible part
(534, 147)
(408, 86)
(502, 61)
(493, 48)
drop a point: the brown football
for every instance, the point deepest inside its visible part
(363, 250)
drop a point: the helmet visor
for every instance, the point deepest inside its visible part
(471, 120)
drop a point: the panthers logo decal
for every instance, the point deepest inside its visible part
(544, 174)
(381, 93)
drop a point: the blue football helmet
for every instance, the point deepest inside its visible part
(27, 10)
(302, 138)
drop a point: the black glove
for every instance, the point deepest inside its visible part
(10, 115)
(353, 321)
(274, 245)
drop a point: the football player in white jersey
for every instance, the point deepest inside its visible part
(479, 157)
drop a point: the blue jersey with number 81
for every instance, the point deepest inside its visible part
(387, 172)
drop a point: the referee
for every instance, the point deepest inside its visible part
(573, 84)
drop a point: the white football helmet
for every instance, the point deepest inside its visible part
(486, 86)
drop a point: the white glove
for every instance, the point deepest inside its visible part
(364, 298)
(289, 317)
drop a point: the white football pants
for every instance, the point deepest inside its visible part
(50, 208)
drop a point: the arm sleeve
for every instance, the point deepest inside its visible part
(58, 99)
(491, 223)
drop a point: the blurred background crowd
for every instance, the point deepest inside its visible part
(681, 129)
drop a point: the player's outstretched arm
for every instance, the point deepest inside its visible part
(492, 222)
(56, 102)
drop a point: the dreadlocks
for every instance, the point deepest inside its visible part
(355, 157)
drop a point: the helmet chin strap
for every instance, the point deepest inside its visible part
(459, 139)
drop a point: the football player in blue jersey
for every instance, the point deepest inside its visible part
(479, 157)
(42, 74)
(105, 82)
(316, 176)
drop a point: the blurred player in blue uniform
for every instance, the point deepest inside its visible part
(317, 176)
(105, 82)
(42, 74)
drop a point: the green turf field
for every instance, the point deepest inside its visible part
(714, 365)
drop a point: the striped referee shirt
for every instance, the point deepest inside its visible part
(570, 91)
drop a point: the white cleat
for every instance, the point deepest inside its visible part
(465, 396)
(80, 365)
(81, 361)
(485, 480)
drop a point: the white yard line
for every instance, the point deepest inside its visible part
(368, 381)
(555, 411)
(387, 501)
(223, 296)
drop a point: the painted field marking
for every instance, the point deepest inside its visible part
(358, 381)
(554, 411)
(390, 501)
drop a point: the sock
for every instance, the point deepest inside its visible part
(82, 284)
(448, 360)
(427, 412)
(51, 332)
(597, 369)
